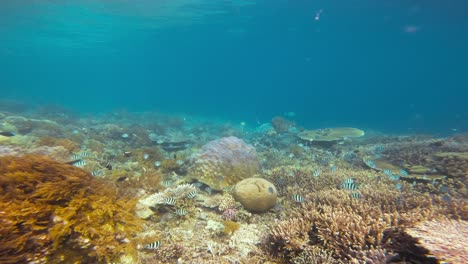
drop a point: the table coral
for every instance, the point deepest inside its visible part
(49, 209)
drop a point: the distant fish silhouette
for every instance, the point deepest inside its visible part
(6, 134)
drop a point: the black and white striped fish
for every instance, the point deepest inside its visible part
(170, 200)
(153, 246)
(348, 184)
(167, 183)
(85, 154)
(79, 163)
(74, 156)
(355, 195)
(192, 194)
(316, 173)
(298, 198)
(403, 173)
(96, 173)
(181, 212)
(387, 172)
(371, 164)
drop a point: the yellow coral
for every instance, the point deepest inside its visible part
(230, 227)
(49, 208)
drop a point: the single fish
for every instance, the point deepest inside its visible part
(167, 183)
(298, 198)
(84, 154)
(181, 212)
(96, 173)
(348, 184)
(153, 246)
(403, 173)
(371, 164)
(79, 163)
(75, 157)
(6, 134)
(316, 173)
(387, 172)
(170, 201)
(192, 194)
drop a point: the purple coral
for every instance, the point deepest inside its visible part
(229, 214)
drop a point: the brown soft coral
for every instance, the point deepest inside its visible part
(48, 209)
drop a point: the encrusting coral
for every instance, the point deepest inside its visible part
(51, 211)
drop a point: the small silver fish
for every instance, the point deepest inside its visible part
(157, 163)
(145, 156)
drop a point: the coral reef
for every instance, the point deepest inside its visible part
(224, 162)
(368, 200)
(49, 209)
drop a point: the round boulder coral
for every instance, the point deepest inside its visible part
(224, 162)
(255, 194)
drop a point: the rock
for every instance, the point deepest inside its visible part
(255, 194)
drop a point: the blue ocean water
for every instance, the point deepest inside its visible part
(389, 65)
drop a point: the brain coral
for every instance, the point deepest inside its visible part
(224, 162)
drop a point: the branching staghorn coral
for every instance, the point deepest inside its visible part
(330, 218)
